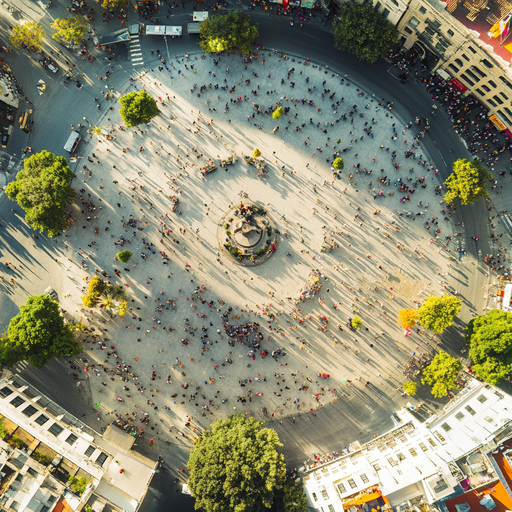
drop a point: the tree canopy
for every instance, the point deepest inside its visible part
(124, 256)
(437, 313)
(361, 30)
(407, 318)
(70, 30)
(291, 497)
(115, 4)
(28, 36)
(338, 164)
(490, 345)
(225, 32)
(43, 189)
(37, 334)
(441, 374)
(468, 181)
(138, 108)
(278, 113)
(235, 466)
(410, 388)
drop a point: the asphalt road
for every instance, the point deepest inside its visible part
(57, 109)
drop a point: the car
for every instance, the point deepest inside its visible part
(5, 138)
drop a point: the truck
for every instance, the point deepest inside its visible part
(193, 28)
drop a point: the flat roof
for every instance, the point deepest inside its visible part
(119, 437)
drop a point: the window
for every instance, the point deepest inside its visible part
(483, 398)
(500, 102)
(487, 64)
(325, 496)
(508, 111)
(464, 77)
(472, 75)
(459, 416)
(503, 116)
(5, 392)
(331, 508)
(506, 82)
(470, 410)
(42, 419)
(407, 30)
(492, 84)
(478, 71)
(314, 496)
(413, 22)
(423, 447)
(485, 88)
(399, 472)
(29, 411)
(385, 13)
(352, 483)
(458, 62)
(504, 96)
(89, 451)
(423, 10)
(52, 498)
(400, 456)
(102, 458)
(15, 505)
(413, 452)
(378, 5)
(376, 466)
(489, 419)
(454, 68)
(17, 401)
(395, 2)
(481, 93)
(439, 436)
(446, 427)
(471, 49)
(451, 33)
(431, 441)
(492, 103)
(465, 57)
(55, 429)
(342, 489)
(71, 439)
(44, 508)
(364, 478)
(392, 462)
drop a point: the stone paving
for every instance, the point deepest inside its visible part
(373, 259)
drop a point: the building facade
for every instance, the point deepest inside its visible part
(418, 467)
(51, 462)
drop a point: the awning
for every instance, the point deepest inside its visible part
(362, 498)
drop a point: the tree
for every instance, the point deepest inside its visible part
(291, 497)
(70, 30)
(115, 4)
(278, 112)
(410, 388)
(137, 108)
(468, 181)
(96, 286)
(490, 345)
(441, 374)
(235, 466)
(38, 333)
(407, 318)
(123, 308)
(356, 323)
(43, 189)
(115, 292)
(338, 164)
(437, 313)
(28, 36)
(256, 153)
(363, 31)
(124, 256)
(232, 31)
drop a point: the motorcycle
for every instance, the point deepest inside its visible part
(41, 87)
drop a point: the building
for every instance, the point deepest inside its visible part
(51, 462)
(456, 457)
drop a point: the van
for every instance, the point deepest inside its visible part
(72, 142)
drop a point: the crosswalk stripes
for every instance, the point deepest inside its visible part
(135, 52)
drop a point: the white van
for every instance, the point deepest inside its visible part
(72, 142)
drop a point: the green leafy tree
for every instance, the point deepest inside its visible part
(3, 429)
(437, 313)
(468, 181)
(28, 36)
(90, 300)
(356, 323)
(70, 30)
(361, 30)
(43, 190)
(96, 286)
(338, 164)
(490, 345)
(233, 31)
(124, 256)
(115, 292)
(278, 113)
(256, 153)
(441, 374)
(235, 466)
(115, 4)
(410, 388)
(138, 108)
(291, 497)
(78, 485)
(38, 333)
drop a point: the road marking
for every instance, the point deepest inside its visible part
(136, 52)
